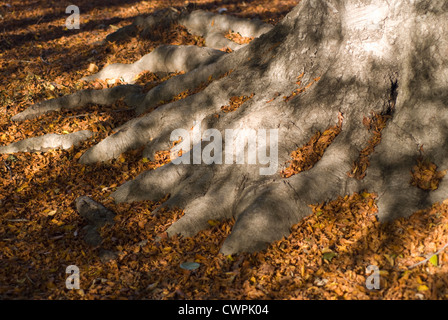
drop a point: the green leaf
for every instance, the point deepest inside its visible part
(189, 265)
(11, 158)
(329, 255)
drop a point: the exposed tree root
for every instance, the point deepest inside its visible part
(166, 58)
(146, 25)
(47, 142)
(163, 59)
(352, 62)
(213, 27)
(78, 100)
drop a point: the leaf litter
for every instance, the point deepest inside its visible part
(324, 257)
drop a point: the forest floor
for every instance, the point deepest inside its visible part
(325, 256)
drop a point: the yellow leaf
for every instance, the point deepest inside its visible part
(57, 222)
(434, 260)
(145, 160)
(199, 258)
(390, 259)
(23, 186)
(422, 288)
(365, 194)
(213, 222)
(51, 212)
(78, 155)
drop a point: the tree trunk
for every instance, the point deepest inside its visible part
(327, 63)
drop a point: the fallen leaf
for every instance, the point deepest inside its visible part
(189, 265)
(213, 222)
(93, 68)
(329, 255)
(422, 288)
(434, 260)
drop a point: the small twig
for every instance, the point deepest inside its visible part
(43, 60)
(28, 277)
(429, 258)
(17, 220)
(38, 21)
